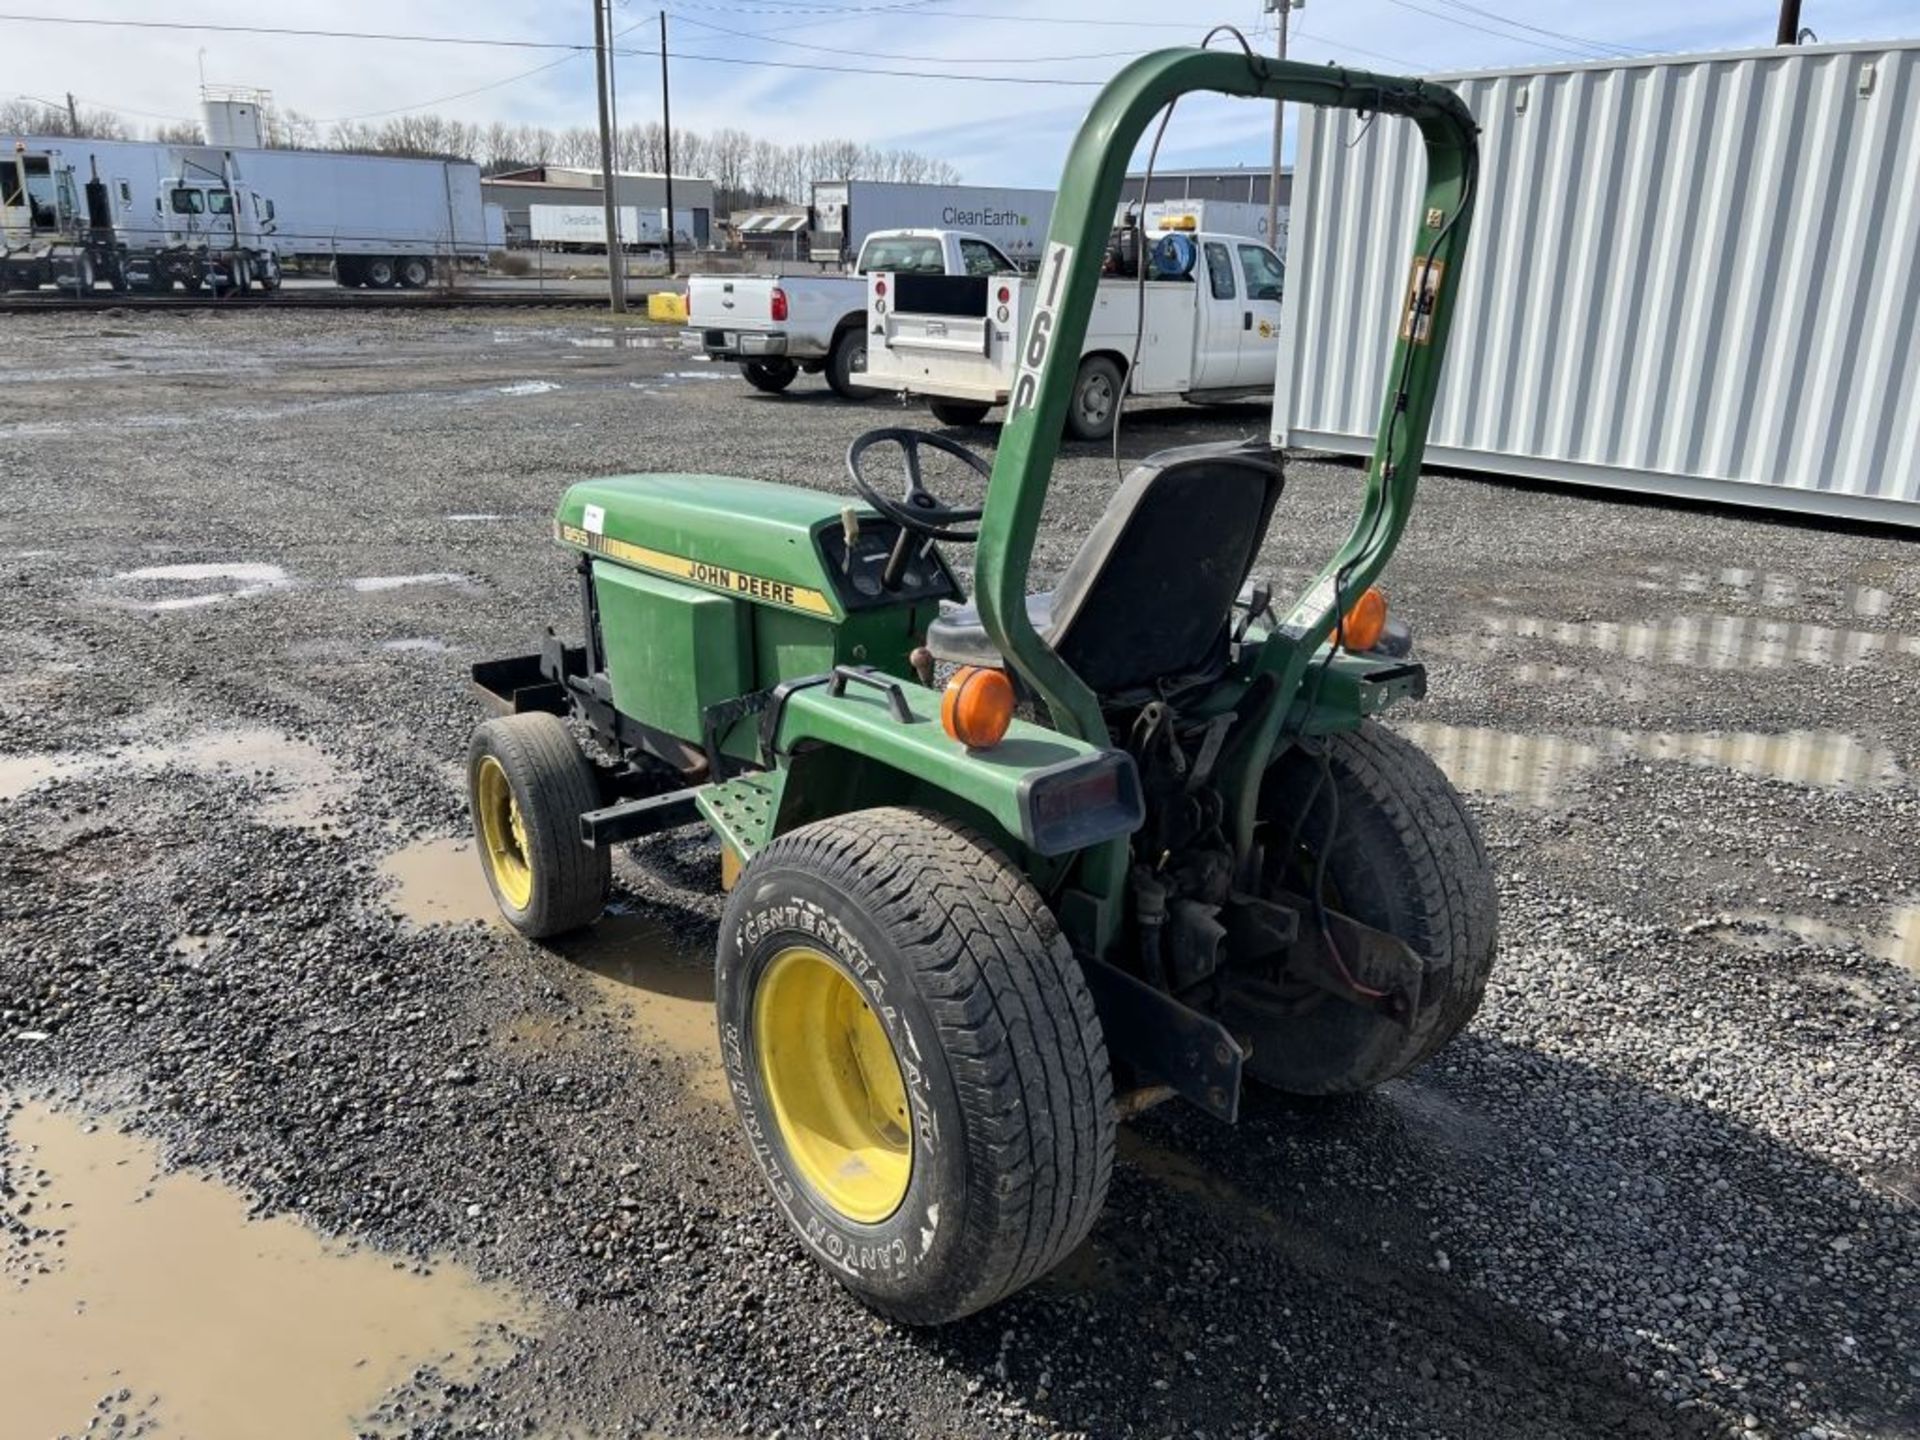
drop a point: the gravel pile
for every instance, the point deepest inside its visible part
(1668, 1182)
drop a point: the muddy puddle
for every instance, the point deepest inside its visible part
(160, 588)
(133, 1303)
(655, 983)
(1536, 768)
(376, 584)
(1896, 940)
(1707, 642)
(306, 784)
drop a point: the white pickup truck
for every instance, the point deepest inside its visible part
(1211, 334)
(775, 326)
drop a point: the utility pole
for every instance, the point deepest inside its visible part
(1279, 128)
(73, 115)
(1789, 31)
(616, 266)
(666, 126)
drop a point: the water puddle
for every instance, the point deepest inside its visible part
(1708, 642)
(617, 340)
(127, 1293)
(1897, 941)
(307, 783)
(662, 989)
(439, 882)
(1775, 591)
(244, 580)
(656, 983)
(716, 374)
(1534, 768)
(374, 584)
(528, 387)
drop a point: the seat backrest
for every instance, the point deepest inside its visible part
(1150, 594)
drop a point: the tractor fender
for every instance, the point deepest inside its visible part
(1050, 793)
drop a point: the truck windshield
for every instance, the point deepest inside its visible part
(904, 255)
(188, 202)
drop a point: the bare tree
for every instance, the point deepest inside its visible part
(37, 117)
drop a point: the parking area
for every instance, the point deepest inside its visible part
(1667, 1181)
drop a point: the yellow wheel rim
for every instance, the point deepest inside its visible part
(503, 836)
(834, 1085)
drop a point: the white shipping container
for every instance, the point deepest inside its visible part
(1222, 217)
(1689, 276)
(846, 212)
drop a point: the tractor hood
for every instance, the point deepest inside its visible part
(746, 538)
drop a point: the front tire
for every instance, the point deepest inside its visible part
(771, 376)
(915, 1058)
(1406, 858)
(847, 362)
(528, 784)
(958, 413)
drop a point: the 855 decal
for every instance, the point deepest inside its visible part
(1052, 282)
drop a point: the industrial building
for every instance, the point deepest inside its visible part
(517, 191)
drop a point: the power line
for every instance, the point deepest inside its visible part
(290, 31)
(1603, 45)
(444, 99)
(873, 70)
(1486, 30)
(1078, 22)
(918, 59)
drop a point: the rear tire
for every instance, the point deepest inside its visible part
(847, 362)
(984, 1158)
(377, 272)
(959, 413)
(1095, 406)
(528, 784)
(414, 273)
(1408, 859)
(772, 376)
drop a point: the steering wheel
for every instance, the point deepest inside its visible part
(918, 509)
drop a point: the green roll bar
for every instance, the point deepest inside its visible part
(1049, 361)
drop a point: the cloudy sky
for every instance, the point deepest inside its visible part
(994, 131)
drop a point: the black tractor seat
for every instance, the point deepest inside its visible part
(1148, 598)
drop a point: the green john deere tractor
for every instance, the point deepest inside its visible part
(1148, 841)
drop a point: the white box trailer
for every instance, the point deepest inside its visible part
(846, 212)
(1222, 217)
(378, 219)
(1690, 276)
(584, 227)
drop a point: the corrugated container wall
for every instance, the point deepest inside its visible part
(1693, 276)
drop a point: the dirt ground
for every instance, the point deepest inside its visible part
(261, 1035)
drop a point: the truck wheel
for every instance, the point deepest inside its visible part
(847, 362)
(1406, 858)
(772, 376)
(377, 272)
(1095, 405)
(958, 412)
(915, 1057)
(415, 272)
(528, 784)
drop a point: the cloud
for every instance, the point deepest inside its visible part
(995, 133)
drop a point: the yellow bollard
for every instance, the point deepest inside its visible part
(667, 305)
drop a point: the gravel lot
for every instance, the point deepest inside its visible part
(1667, 1183)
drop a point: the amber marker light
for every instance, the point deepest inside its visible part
(977, 707)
